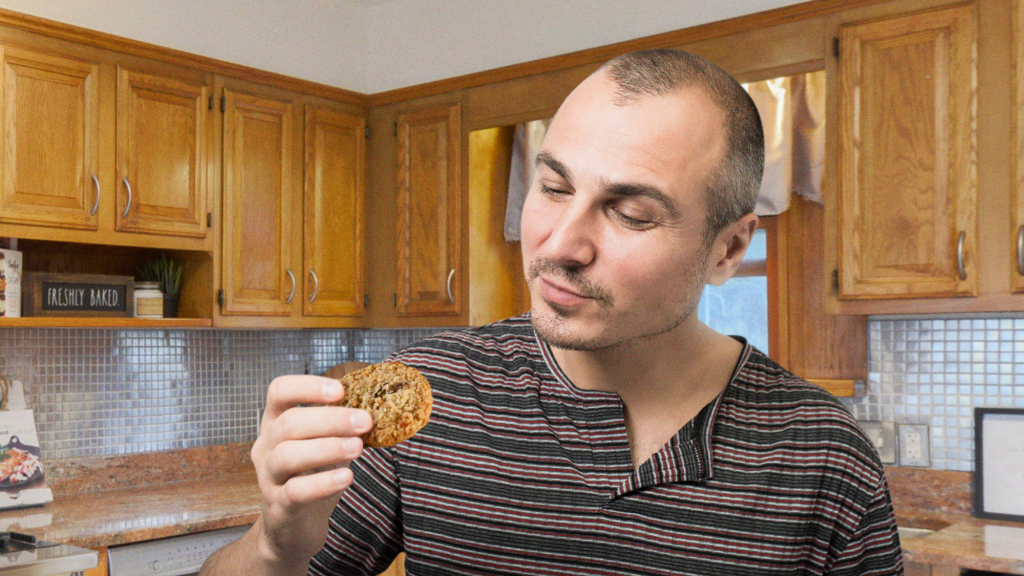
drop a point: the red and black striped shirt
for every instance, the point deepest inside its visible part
(520, 472)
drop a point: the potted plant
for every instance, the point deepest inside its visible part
(167, 273)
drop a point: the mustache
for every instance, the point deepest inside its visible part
(572, 276)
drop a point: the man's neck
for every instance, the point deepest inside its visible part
(664, 382)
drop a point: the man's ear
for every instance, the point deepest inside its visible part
(729, 247)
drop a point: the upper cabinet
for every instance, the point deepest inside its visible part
(922, 156)
(1016, 231)
(333, 223)
(103, 148)
(429, 226)
(907, 186)
(293, 205)
(50, 161)
(162, 150)
(259, 274)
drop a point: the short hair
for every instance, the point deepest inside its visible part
(731, 190)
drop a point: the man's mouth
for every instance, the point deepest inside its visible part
(566, 287)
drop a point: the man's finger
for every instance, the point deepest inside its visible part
(290, 391)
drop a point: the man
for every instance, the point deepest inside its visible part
(609, 431)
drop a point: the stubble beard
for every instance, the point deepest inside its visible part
(619, 329)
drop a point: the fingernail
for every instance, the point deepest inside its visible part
(331, 390)
(351, 445)
(360, 420)
(340, 476)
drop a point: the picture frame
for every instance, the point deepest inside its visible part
(999, 463)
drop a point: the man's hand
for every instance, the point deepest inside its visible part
(301, 459)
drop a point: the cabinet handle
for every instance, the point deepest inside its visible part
(96, 205)
(127, 206)
(292, 294)
(960, 255)
(316, 285)
(1020, 250)
(449, 285)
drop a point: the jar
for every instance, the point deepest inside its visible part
(149, 300)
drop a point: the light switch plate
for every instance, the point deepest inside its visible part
(883, 437)
(915, 447)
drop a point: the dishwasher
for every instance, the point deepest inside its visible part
(174, 556)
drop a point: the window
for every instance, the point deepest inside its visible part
(740, 306)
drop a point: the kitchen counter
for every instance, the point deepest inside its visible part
(144, 497)
(122, 503)
(989, 546)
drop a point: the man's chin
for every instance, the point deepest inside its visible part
(562, 331)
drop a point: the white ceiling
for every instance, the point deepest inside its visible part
(371, 46)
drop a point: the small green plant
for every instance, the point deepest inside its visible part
(164, 271)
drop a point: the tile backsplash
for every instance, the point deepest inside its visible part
(101, 392)
(936, 370)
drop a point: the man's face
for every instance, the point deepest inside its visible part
(612, 226)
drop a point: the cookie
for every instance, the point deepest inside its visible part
(397, 396)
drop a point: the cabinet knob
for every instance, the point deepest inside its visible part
(316, 285)
(449, 286)
(291, 295)
(96, 205)
(127, 206)
(1020, 250)
(960, 255)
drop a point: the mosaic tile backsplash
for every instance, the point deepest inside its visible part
(935, 371)
(101, 392)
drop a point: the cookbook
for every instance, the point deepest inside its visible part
(22, 481)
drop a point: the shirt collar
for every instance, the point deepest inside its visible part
(689, 455)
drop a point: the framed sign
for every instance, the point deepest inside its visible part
(56, 294)
(999, 463)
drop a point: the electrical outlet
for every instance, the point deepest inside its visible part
(883, 437)
(915, 448)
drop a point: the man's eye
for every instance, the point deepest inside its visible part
(631, 222)
(549, 191)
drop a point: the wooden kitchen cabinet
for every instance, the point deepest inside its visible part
(293, 205)
(1016, 231)
(925, 160)
(907, 175)
(162, 151)
(103, 148)
(259, 272)
(429, 225)
(333, 199)
(50, 161)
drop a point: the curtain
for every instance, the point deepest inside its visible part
(792, 111)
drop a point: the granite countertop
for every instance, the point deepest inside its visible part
(990, 546)
(111, 501)
(130, 499)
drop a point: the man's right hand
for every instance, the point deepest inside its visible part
(301, 458)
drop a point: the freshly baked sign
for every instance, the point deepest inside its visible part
(78, 295)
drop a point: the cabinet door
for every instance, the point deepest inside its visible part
(51, 140)
(258, 278)
(161, 155)
(334, 192)
(1016, 236)
(907, 204)
(429, 217)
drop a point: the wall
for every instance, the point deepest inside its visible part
(99, 392)
(102, 392)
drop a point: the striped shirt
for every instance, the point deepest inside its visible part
(520, 472)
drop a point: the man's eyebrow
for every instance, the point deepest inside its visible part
(557, 167)
(646, 191)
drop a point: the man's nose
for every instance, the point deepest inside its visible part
(572, 242)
